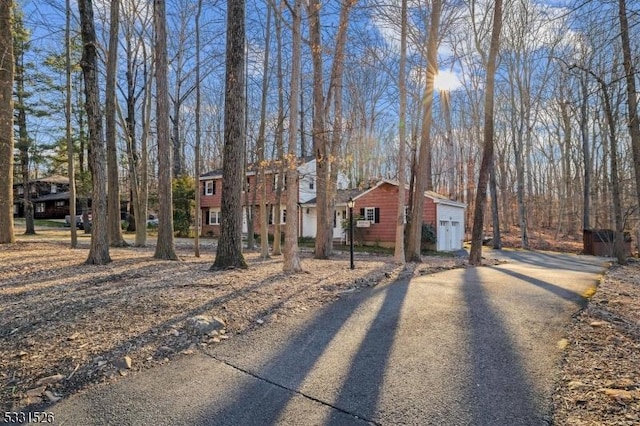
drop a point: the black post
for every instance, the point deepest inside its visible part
(351, 233)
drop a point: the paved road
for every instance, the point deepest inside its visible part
(475, 346)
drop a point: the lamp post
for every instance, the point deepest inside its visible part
(350, 204)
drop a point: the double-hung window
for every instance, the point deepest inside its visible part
(210, 187)
(214, 217)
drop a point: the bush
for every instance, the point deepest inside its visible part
(429, 237)
(183, 204)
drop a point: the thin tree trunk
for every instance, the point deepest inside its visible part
(113, 184)
(291, 262)
(99, 251)
(586, 154)
(495, 216)
(198, 219)
(398, 253)
(475, 256)
(67, 108)
(165, 245)
(262, 184)
(23, 143)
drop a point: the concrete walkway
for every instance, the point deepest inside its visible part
(475, 346)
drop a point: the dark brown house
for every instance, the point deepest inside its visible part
(50, 197)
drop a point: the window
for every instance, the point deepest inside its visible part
(54, 188)
(59, 203)
(20, 190)
(312, 184)
(210, 187)
(248, 183)
(214, 217)
(15, 209)
(284, 216)
(406, 214)
(275, 181)
(372, 214)
(40, 208)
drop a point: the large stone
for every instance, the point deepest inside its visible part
(123, 363)
(204, 324)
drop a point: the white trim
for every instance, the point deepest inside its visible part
(211, 215)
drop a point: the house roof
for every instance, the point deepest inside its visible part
(49, 179)
(58, 196)
(342, 196)
(251, 168)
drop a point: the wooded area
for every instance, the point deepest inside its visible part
(524, 110)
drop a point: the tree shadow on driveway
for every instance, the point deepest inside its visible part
(499, 392)
(283, 380)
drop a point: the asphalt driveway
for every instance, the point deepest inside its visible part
(474, 346)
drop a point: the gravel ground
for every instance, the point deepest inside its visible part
(600, 382)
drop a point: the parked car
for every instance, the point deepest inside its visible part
(79, 222)
(152, 221)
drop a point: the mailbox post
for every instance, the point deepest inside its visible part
(350, 204)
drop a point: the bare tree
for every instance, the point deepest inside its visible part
(632, 100)
(67, 110)
(99, 251)
(229, 252)
(113, 183)
(6, 122)
(402, 130)
(291, 257)
(423, 172)
(165, 248)
(475, 256)
(198, 218)
(325, 149)
(261, 183)
(24, 142)
(138, 101)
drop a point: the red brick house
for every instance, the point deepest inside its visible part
(378, 206)
(210, 190)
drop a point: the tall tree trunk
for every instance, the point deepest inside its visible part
(229, 253)
(475, 256)
(323, 234)
(23, 143)
(291, 262)
(262, 184)
(6, 122)
(198, 216)
(279, 145)
(165, 245)
(423, 176)
(632, 100)
(566, 169)
(99, 251)
(113, 184)
(398, 254)
(335, 92)
(584, 135)
(67, 109)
